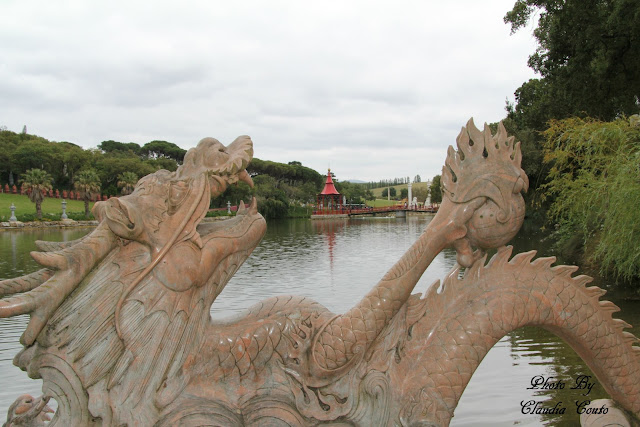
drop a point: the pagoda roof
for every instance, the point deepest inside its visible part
(329, 187)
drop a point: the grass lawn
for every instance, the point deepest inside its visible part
(379, 203)
(25, 206)
(378, 191)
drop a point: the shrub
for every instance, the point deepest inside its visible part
(594, 189)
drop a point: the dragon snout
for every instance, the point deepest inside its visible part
(120, 217)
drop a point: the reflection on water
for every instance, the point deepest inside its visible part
(500, 384)
(336, 262)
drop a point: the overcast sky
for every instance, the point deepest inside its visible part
(373, 89)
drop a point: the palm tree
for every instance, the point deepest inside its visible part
(87, 182)
(36, 181)
(127, 181)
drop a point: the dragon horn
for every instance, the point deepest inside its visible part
(24, 283)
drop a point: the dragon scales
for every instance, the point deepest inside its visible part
(120, 330)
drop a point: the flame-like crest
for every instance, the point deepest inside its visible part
(481, 155)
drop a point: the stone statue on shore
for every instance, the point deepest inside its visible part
(120, 330)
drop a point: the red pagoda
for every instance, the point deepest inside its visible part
(329, 198)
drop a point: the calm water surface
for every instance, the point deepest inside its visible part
(336, 262)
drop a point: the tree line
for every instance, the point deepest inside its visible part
(22, 152)
(281, 188)
(390, 182)
(114, 167)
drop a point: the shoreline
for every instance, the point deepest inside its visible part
(69, 223)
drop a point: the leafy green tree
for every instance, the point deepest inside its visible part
(588, 57)
(110, 166)
(404, 193)
(588, 62)
(37, 181)
(292, 174)
(156, 149)
(279, 185)
(300, 194)
(127, 182)
(354, 193)
(73, 158)
(389, 191)
(234, 194)
(436, 190)
(110, 146)
(60, 159)
(162, 163)
(37, 153)
(595, 191)
(306, 193)
(87, 183)
(9, 141)
(272, 201)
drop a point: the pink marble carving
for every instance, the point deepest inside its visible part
(120, 330)
(29, 412)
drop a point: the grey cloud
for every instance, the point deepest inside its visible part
(360, 85)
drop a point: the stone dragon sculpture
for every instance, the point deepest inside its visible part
(120, 330)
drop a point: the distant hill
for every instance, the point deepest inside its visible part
(356, 181)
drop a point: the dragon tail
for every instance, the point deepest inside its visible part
(470, 315)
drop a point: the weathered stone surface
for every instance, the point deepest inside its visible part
(603, 413)
(28, 412)
(120, 330)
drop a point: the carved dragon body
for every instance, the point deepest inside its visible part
(120, 329)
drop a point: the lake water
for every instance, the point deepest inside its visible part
(336, 262)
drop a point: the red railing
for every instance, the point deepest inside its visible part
(371, 210)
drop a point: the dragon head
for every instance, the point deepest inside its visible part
(166, 201)
(163, 211)
(488, 166)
